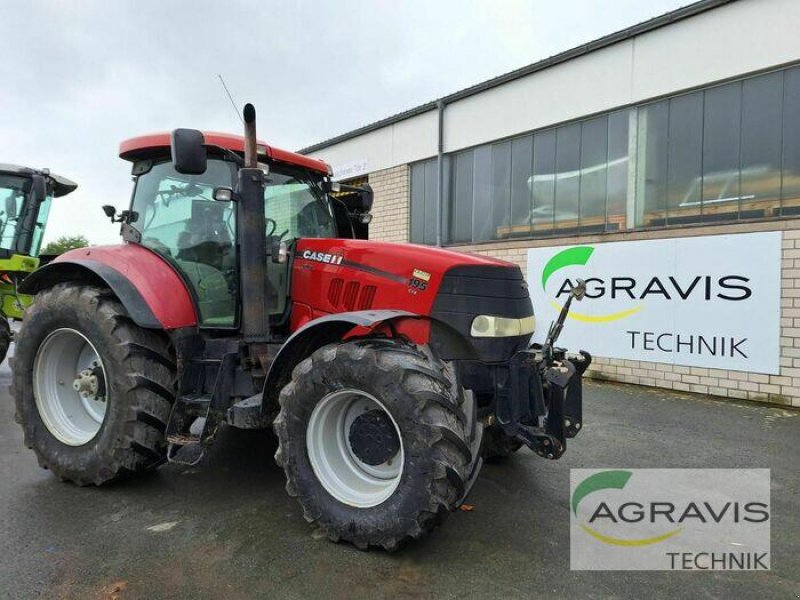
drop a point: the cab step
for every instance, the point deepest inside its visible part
(198, 411)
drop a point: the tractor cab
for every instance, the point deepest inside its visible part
(191, 220)
(25, 197)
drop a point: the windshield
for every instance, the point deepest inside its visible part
(178, 218)
(13, 191)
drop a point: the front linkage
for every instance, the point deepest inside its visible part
(539, 399)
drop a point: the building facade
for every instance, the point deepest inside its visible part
(665, 157)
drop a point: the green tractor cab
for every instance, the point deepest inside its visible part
(25, 197)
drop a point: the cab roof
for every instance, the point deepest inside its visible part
(144, 146)
(61, 185)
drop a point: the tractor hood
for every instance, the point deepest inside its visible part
(402, 276)
(453, 288)
(398, 263)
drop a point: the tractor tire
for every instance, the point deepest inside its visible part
(374, 441)
(497, 446)
(5, 338)
(93, 391)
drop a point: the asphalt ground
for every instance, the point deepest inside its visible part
(227, 529)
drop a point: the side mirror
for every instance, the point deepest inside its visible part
(109, 210)
(38, 188)
(367, 197)
(222, 194)
(279, 250)
(189, 155)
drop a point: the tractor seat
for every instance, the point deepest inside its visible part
(204, 245)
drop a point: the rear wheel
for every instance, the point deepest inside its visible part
(93, 391)
(374, 441)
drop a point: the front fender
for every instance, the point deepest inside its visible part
(315, 334)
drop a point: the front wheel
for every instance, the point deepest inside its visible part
(375, 442)
(93, 391)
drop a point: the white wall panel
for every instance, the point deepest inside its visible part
(737, 38)
(591, 83)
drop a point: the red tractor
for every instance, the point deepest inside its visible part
(246, 293)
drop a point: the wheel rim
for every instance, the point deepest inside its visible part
(69, 385)
(341, 470)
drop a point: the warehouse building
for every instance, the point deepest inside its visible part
(660, 163)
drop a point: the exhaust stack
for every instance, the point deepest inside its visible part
(250, 146)
(256, 289)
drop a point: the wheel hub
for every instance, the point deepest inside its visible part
(90, 383)
(373, 437)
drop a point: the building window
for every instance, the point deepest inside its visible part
(684, 159)
(726, 149)
(617, 175)
(790, 164)
(542, 183)
(726, 153)
(424, 183)
(564, 180)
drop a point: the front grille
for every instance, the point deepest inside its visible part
(350, 295)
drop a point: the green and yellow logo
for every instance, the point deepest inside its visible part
(606, 480)
(579, 255)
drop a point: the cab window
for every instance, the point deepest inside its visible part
(295, 207)
(178, 218)
(13, 191)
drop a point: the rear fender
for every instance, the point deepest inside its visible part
(150, 290)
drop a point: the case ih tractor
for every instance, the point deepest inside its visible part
(246, 293)
(25, 196)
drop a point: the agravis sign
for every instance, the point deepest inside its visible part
(707, 301)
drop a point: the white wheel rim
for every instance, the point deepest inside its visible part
(343, 475)
(70, 409)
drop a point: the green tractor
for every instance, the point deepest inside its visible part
(25, 196)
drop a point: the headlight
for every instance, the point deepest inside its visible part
(489, 326)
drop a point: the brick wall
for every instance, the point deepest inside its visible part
(390, 210)
(778, 389)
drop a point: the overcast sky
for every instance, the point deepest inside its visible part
(76, 78)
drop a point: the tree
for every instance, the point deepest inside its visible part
(64, 243)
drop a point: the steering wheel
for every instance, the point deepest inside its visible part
(273, 224)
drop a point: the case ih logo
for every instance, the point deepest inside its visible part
(331, 259)
(728, 287)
